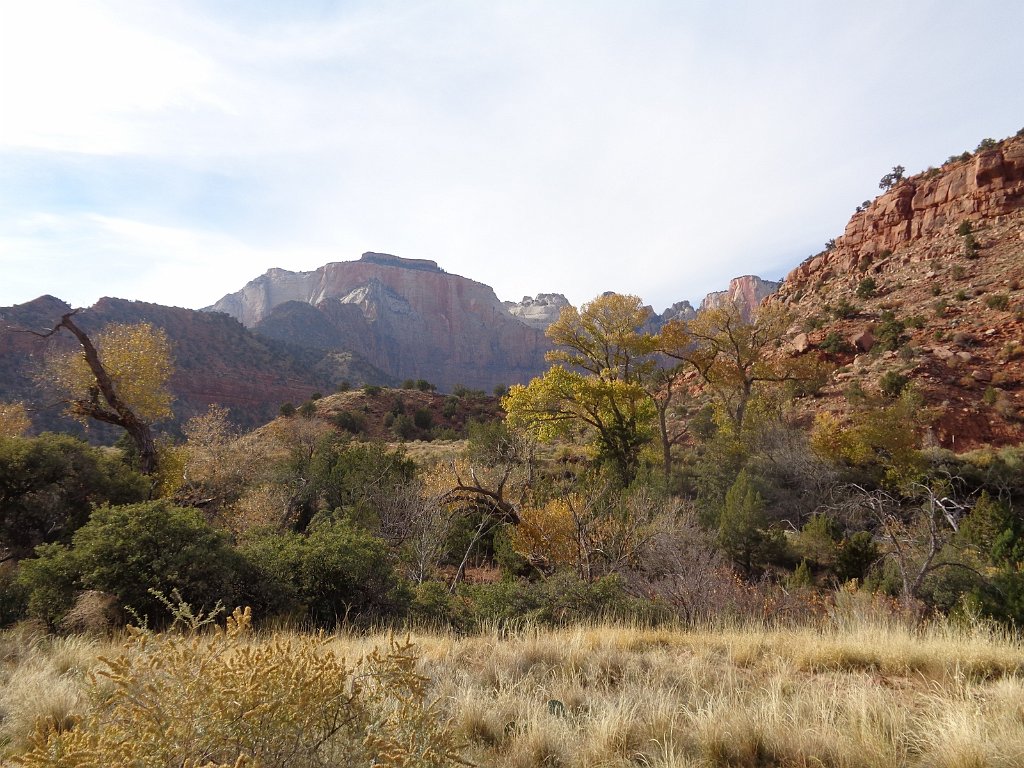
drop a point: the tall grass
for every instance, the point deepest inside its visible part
(851, 694)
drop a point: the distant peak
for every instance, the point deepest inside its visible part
(388, 260)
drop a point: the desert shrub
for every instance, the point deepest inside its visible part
(13, 596)
(843, 310)
(333, 572)
(562, 599)
(854, 393)
(348, 421)
(423, 418)
(889, 332)
(371, 389)
(126, 551)
(424, 386)
(892, 384)
(404, 427)
(1000, 301)
(964, 229)
(409, 384)
(960, 295)
(970, 246)
(48, 485)
(834, 343)
(226, 699)
(866, 288)
(986, 144)
(307, 410)
(811, 323)
(287, 410)
(1012, 350)
(451, 406)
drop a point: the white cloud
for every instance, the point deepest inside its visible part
(658, 148)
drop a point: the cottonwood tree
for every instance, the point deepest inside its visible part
(598, 383)
(119, 379)
(731, 355)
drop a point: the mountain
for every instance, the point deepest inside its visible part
(407, 317)
(747, 291)
(933, 267)
(217, 360)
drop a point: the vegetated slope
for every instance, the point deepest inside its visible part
(926, 283)
(382, 413)
(216, 360)
(407, 317)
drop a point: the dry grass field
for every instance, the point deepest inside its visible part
(867, 693)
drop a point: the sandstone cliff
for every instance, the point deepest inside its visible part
(747, 291)
(940, 258)
(405, 316)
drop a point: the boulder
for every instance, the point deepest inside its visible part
(863, 340)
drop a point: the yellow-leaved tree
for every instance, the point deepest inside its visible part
(597, 386)
(120, 378)
(732, 355)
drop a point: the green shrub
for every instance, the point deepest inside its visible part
(334, 572)
(423, 418)
(844, 310)
(960, 295)
(1000, 301)
(866, 288)
(986, 144)
(964, 229)
(128, 550)
(49, 484)
(892, 384)
(348, 421)
(371, 389)
(424, 386)
(404, 427)
(834, 344)
(287, 410)
(889, 332)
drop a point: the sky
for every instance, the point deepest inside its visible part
(172, 151)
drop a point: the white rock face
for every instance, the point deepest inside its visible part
(538, 312)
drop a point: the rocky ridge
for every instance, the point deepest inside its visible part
(940, 258)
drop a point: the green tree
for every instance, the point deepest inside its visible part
(128, 550)
(743, 526)
(600, 389)
(49, 484)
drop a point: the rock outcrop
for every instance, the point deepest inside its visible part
(747, 291)
(407, 317)
(983, 187)
(681, 310)
(538, 312)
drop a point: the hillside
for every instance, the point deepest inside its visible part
(926, 283)
(217, 360)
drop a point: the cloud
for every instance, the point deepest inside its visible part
(657, 148)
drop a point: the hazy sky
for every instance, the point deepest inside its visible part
(172, 151)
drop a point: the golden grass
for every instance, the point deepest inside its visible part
(868, 695)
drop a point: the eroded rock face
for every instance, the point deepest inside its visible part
(987, 186)
(538, 312)
(405, 316)
(747, 291)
